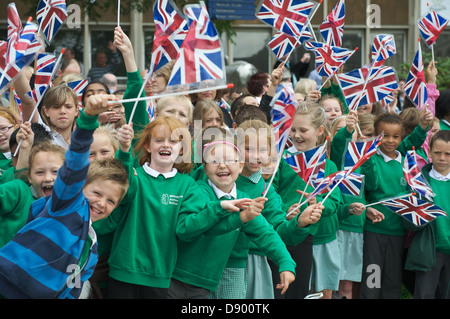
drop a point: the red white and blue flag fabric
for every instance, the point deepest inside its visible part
(307, 164)
(288, 16)
(415, 210)
(416, 85)
(415, 178)
(51, 15)
(14, 31)
(328, 58)
(358, 152)
(360, 89)
(170, 30)
(431, 26)
(383, 47)
(24, 56)
(332, 28)
(78, 87)
(349, 184)
(200, 61)
(282, 44)
(45, 67)
(284, 105)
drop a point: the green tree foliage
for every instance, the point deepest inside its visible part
(442, 65)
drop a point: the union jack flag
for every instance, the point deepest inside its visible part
(430, 27)
(383, 47)
(307, 164)
(9, 71)
(14, 30)
(358, 152)
(415, 210)
(332, 28)
(282, 44)
(44, 73)
(349, 184)
(284, 105)
(360, 89)
(170, 31)
(51, 15)
(328, 58)
(415, 86)
(78, 87)
(223, 104)
(200, 58)
(27, 42)
(415, 178)
(289, 16)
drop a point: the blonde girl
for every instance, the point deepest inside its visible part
(178, 106)
(309, 129)
(105, 143)
(332, 106)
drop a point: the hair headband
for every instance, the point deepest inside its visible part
(221, 142)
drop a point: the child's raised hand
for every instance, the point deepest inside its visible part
(125, 136)
(122, 42)
(426, 121)
(313, 96)
(351, 120)
(286, 278)
(277, 75)
(432, 72)
(98, 103)
(310, 215)
(254, 209)
(25, 134)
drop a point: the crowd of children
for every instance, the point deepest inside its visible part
(179, 198)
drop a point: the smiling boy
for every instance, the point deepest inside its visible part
(56, 251)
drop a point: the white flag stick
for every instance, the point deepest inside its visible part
(382, 201)
(273, 174)
(158, 96)
(39, 101)
(118, 13)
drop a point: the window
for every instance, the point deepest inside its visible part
(99, 41)
(251, 46)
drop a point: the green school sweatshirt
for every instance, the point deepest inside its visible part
(352, 223)
(442, 199)
(390, 182)
(435, 235)
(144, 248)
(5, 163)
(201, 262)
(286, 183)
(273, 212)
(15, 201)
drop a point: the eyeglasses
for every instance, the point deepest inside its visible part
(5, 129)
(228, 162)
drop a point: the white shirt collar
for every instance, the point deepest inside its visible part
(150, 171)
(220, 193)
(438, 176)
(387, 158)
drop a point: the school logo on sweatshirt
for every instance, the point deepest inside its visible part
(167, 199)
